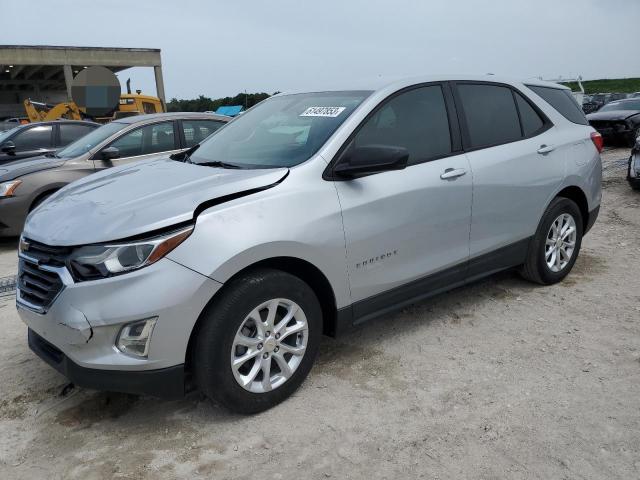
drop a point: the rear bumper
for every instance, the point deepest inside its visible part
(164, 382)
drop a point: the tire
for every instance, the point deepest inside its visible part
(536, 268)
(217, 344)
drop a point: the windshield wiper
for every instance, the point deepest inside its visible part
(218, 164)
(184, 155)
(51, 155)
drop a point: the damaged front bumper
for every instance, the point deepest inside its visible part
(77, 333)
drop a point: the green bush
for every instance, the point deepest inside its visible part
(620, 85)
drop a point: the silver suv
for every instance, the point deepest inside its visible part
(220, 268)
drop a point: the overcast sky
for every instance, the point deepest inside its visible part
(219, 48)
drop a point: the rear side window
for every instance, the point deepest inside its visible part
(416, 120)
(197, 130)
(563, 102)
(71, 133)
(33, 138)
(490, 113)
(531, 121)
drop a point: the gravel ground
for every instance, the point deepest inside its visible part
(501, 379)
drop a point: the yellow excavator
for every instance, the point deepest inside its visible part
(42, 112)
(129, 104)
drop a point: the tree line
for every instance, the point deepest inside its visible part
(204, 104)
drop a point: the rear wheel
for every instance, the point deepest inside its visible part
(258, 341)
(556, 244)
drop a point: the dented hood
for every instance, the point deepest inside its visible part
(135, 199)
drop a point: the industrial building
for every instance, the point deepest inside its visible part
(45, 73)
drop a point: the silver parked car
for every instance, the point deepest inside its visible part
(24, 184)
(309, 214)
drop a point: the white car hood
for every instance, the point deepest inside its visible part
(134, 199)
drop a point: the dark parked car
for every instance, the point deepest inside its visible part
(618, 122)
(25, 184)
(33, 139)
(594, 102)
(7, 123)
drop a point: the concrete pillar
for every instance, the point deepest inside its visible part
(159, 84)
(68, 79)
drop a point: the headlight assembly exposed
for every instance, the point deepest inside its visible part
(100, 261)
(7, 188)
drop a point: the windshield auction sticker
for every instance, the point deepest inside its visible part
(322, 112)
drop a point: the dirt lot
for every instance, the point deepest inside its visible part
(502, 379)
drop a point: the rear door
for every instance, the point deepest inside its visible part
(516, 164)
(148, 141)
(403, 227)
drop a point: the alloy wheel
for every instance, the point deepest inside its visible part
(269, 345)
(560, 243)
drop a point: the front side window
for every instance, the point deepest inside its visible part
(91, 140)
(197, 130)
(33, 138)
(7, 133)
(72, 132)
(154, 138)
(416, 120)
(563, 102)
(490, 113)
(281, 131)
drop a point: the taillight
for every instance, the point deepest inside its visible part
(598, 141)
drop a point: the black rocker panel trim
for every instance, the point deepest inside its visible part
(423, 288)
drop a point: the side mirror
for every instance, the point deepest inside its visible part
(110, 153)
(369, 159)
(8, 147)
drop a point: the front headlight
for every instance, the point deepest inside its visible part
(101, 261)
(7, 188)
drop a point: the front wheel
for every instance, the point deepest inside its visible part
(258, 341)
(556, 244)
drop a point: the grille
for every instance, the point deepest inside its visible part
(38, 285)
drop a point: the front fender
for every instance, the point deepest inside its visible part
(298, 219)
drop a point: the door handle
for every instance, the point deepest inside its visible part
(544, 149)
(450, 173)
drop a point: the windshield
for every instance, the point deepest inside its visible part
(86, 143)
(281, 131)
(628, 105)
(6, 134)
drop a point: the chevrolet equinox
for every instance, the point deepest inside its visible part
(221, 266)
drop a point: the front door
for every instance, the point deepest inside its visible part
(141, 143)
(404, 228)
